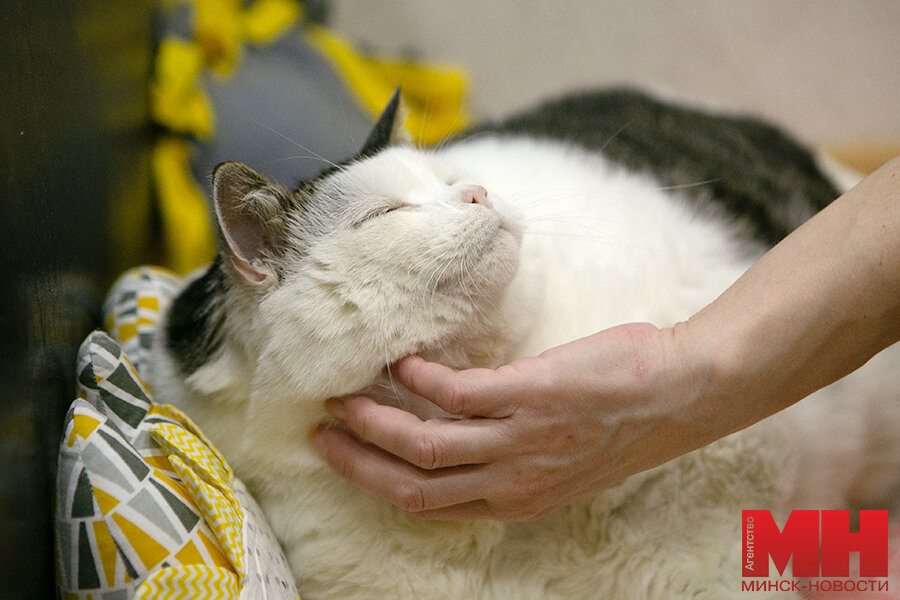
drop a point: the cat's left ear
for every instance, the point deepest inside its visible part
(389, 128)
(251, 216)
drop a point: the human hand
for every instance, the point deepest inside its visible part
(541, 431)
(534, 434)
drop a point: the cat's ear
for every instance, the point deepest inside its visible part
(250, 212)
(389, 128)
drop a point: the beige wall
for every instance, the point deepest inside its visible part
(828, 69)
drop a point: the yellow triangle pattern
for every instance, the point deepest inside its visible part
(84, 425)
(107, 550)
(105, 501)
(189, 555)
(148, 550)
(174, 486)
(160, 462)
(190, 582)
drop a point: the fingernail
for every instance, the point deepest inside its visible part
(396, 365)
(336, 408)
(315, 436)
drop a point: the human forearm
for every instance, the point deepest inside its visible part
(813, 309)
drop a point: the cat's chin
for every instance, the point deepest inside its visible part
(484, 273)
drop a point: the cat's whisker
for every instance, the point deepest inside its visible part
(430, 265)
(615, 135)
(542, 197)
(436, 277)
(436, 262)
(475, 136)
(580, 222)
(559, 192)
(476, 289)
(471, 300)
(683, 186)
(349, 130)
(298, 157)
(576, 213)
(467, 293)
(617, 241)
(393, 384)
(447, 137)
(424, 120)
(296, 143)
(456, 127)
(434, 272)
(554, 198)
(439, 278)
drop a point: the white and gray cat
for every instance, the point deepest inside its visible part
(586, 212)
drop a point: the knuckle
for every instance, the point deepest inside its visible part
(526, 487)
(455, 399)
(426, 451)
(361, 423)
(411, 496)
(408, 377)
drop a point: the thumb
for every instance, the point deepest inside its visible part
(472, 392)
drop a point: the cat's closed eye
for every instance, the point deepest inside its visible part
(380, 211)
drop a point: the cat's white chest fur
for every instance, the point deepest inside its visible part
(581, 245)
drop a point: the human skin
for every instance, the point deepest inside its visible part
(544, 430)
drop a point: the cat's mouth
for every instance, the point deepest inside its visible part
(511, 227)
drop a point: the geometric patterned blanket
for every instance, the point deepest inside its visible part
(146, 506)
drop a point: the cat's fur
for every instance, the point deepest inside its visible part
(601, 209)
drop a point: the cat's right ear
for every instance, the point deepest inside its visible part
(250, 212)
(389, 129)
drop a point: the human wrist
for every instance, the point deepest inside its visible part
(716, 375)
(696, 371)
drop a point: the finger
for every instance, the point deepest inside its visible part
(391, 478)
(431, 444)
(473, 392)
(477, 510)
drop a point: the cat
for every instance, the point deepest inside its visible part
(588, 211)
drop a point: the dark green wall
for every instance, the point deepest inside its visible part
(73, 134)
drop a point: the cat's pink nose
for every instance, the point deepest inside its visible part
(475, 194)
